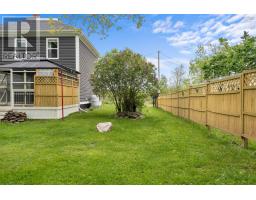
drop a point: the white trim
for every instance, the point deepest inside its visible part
(58, 48)
(24, 71)
(11, 89)
(15, 46)
(45, 107)
(47, 112)
(24, 89)
(77, 54)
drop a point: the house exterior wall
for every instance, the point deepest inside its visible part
(67, 50)
(49, 93)
(87, 60)
(67, 57)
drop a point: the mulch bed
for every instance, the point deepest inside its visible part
(131, 115)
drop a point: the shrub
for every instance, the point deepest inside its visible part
(125, 76)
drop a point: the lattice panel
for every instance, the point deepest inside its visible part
(250, 80)
(198, 91)
(45, 80)
(232, 85)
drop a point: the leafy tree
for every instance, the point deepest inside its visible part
(196, 66)
(163, 85)
(125, 76)
(186, 83)
(178, 77)
(248, 51)
(101, 23)
(224, 59)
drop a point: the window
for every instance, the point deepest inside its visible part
(52, 48)
(23, 87)
(20, 50)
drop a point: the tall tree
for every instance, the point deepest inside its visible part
(224, 59)
(125, 76)
(178, 76)
(196, 65)
(163, 85)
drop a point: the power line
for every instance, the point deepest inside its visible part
(171, 59)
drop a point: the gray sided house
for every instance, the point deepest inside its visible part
(54, 79)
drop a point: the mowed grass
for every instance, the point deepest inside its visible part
(159, 149)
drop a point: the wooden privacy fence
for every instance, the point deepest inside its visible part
(48, 90)
(228, 104)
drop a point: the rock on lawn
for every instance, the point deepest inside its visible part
(104, 127)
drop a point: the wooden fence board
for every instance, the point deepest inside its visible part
(48, 91)
(228, 104)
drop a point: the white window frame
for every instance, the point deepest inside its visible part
(25, 90)
(47, 48)
(15, 46)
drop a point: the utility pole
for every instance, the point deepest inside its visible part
(158, 64)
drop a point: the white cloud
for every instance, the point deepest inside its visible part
(184, 51)
(208, 23)
(234, 18)
(178, 25)
(204, 30)
(167, 26)
(247, 23)
(208, 31)
(163, 26)
(184, 38)
(227, 26)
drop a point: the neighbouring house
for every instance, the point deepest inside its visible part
(47, 80)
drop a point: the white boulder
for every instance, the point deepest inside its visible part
(104, 127)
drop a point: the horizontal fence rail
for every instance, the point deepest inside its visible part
(228, 104)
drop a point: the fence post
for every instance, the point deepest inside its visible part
(244, 139)
(178, 102)
(189, 102)
(206, 106)
(171, 103)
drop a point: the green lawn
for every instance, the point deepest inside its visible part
(159, 149)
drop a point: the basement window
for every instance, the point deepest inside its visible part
(52, 48)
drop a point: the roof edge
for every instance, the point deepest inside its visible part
(56, 65)
(84, 39)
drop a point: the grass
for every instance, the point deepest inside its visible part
(159, 149)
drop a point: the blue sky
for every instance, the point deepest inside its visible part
(175, 36)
